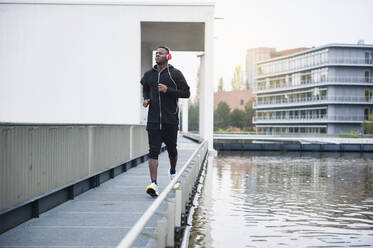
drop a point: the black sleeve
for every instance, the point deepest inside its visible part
(182, 90)
(145, 88)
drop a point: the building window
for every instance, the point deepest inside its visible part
(369, 58)
(367, 76)
(368, 95)
(241, 102)
(368, 112)
(260, 71)
(324, 74)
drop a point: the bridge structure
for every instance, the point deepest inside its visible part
(117, 212)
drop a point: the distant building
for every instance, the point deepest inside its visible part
(255, 55)
(236, 99)
(290, 51)
(328, 89)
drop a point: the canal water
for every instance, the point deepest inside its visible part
(258, 199)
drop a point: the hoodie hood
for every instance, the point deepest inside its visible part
(155, 67)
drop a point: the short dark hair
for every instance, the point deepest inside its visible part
(166, 48)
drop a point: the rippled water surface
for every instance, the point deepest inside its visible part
(286, 200)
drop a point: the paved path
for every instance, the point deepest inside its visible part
(102, 216)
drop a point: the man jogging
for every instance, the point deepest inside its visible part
(162, 86)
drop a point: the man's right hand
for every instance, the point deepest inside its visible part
(146, 103)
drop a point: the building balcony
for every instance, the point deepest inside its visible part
(286, 69)
(291, 102)
(310, 83)
(308, 119)
(350, 61)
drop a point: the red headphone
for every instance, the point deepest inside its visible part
(169, 56)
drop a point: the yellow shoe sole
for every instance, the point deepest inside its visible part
(151, 191)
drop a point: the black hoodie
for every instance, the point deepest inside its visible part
(177, 87)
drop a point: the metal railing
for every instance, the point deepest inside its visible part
(310, 118)
(350, 60)
(322, 99)
(285, 67)
(307, 83)
(184, 185)
(293, 118)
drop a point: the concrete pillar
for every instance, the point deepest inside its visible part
(184, 112)
(206, 108)
(202, 89)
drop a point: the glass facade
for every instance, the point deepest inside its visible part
(289, 115)
(293, 80)
(310, 95)
(307, 60)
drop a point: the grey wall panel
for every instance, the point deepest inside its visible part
(38, 159)
(111, 146)
(139, 141)
(15, 167)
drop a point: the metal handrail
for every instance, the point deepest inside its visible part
(286, 68)
(311, 117)
(344, 99)
(136, 230)
(307, 83)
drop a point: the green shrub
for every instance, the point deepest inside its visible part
(351, 134)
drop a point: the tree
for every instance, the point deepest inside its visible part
(367, 126)
(238, 118)
(222, 116)
(193, 117)
(221, 85)
(237, 80)
(249, 113)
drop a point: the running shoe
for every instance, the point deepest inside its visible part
(152, 190)
(171, 176)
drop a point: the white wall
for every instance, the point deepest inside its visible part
(76, 63)
(68, 64)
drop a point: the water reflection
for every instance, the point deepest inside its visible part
(286, 199)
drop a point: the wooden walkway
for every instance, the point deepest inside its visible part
(100, 217)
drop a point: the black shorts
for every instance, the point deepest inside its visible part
(168, 135)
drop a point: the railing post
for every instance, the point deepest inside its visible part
(161, 234)
(171, 224)
(183, 196)
(178, 212)
(178, 208)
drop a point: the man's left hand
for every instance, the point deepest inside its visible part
(162, 88)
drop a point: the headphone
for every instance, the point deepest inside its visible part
(169, 56)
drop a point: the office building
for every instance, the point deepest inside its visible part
(327, 89)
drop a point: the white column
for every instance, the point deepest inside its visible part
(206, 108)
(202, 97)
(184, 112)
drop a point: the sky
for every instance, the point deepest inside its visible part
(281, 24)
